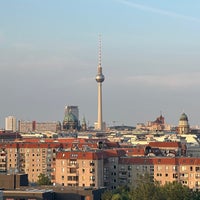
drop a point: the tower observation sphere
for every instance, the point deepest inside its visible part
(100, 77)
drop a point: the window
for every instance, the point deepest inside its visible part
(175, 175)
(174, 168)
(184, 182)
(183, 168)
(197, 169)
(159, 168)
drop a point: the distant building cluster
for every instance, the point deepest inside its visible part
(70, 123)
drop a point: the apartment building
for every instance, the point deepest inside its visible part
(79, 168)
(35, 156)
(31, 158)
(32, 126)
(184, 170)
(97, 163)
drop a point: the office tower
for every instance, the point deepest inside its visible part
(72, 109)
(99, 79)
(10, 123)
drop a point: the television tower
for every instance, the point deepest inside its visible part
(99, 79)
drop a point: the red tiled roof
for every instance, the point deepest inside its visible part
(165, 144)
(160, 161)
(80, 155)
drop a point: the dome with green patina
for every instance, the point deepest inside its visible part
(70, 117)
(183, 117)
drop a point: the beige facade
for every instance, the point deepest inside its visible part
(10, 123)
(25, 126)
(33, 126)
(163, 170)
(84, 169)
(32, 159)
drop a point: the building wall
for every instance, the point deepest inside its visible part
(13, 181)
(96, 168)
(75, 171)
(73, 109)
(32, 160)
(10, 123)
(27, 126)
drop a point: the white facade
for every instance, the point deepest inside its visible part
(10, 123)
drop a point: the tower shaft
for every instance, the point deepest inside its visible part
(99, 79)
(100, 116)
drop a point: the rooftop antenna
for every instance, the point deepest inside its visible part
(100, 50)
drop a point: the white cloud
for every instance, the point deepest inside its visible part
(172, 81)
(159, 11)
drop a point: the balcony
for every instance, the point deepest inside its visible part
(72, 165)
(197, 176)
(72, 179)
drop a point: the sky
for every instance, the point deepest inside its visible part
(150, 59)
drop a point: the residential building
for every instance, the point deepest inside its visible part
(79, 168)
(76, 162)
(10, 123)
(33, 126)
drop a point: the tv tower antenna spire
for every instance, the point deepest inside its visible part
(99, 79)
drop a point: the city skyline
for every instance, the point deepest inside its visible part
(150, 57)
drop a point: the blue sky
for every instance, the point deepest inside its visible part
(150, 59)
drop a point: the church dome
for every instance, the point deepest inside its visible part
(70, 118)
(183, 117)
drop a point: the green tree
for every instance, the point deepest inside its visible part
(146, 189)
(175, 190)
(107, 195)
(43, 180)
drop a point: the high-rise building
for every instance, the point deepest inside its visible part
(72, 109)
(99, 78)
(71, 118)
(10, 123)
